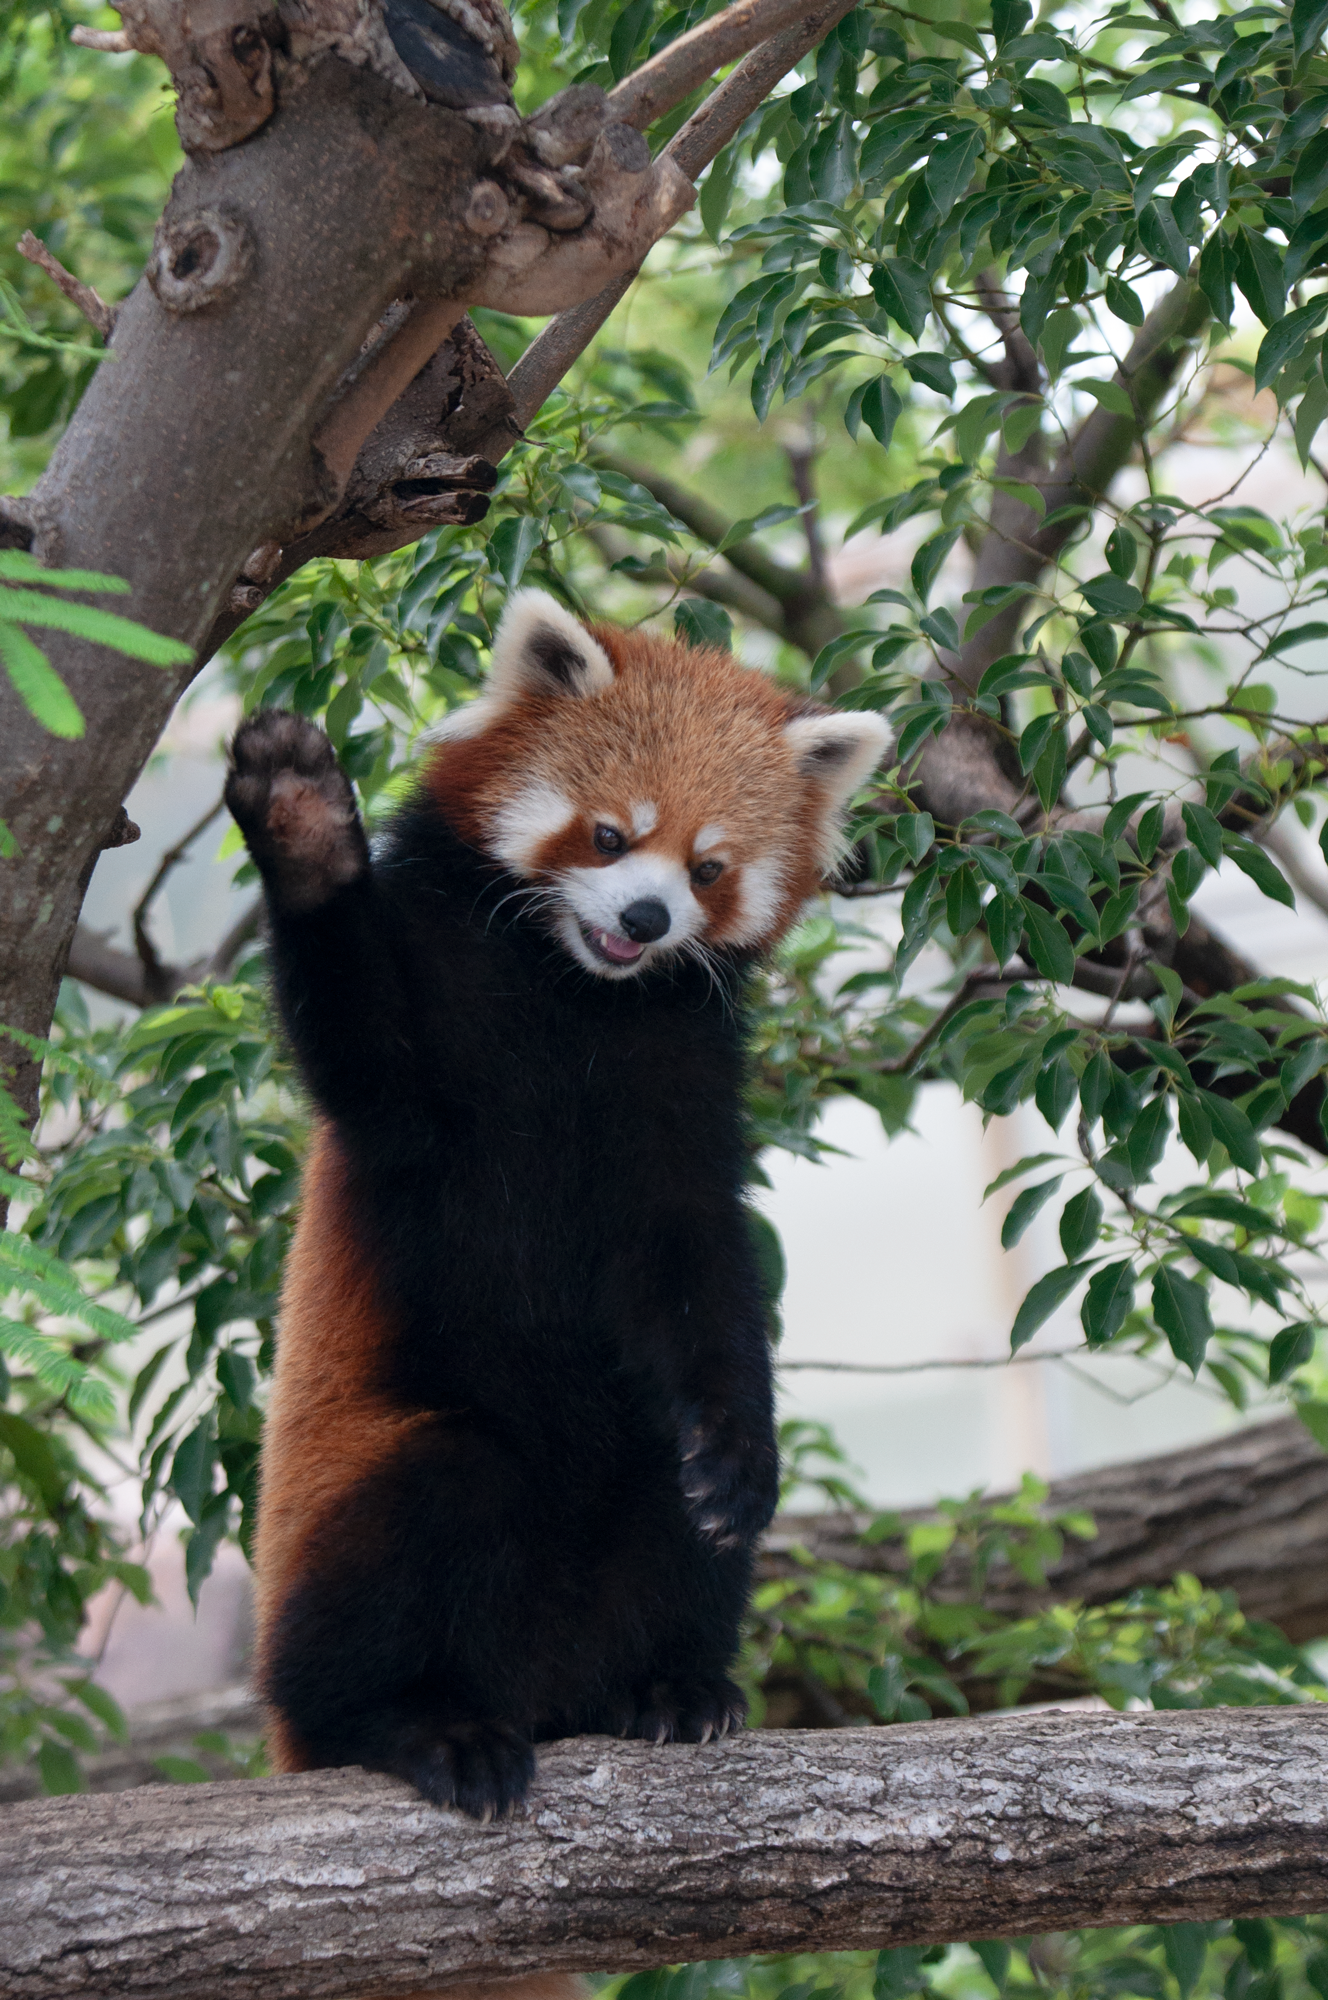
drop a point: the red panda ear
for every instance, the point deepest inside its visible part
(539, 648)
(838, 753)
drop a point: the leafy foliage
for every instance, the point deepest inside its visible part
(953, 254)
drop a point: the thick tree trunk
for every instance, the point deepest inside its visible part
(632, 1856)
(1247, 1513)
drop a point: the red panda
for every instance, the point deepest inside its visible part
(521, 1441)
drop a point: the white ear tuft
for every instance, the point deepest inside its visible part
(838, 752)
(540, 648)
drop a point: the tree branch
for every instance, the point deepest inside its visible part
(1246, 1513)
(93, 307)
(706, 133)
(631, 1856)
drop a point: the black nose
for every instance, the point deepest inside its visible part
(645, 921)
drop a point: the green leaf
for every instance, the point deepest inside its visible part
(950, 168)
(963, 902)
(1028, 1165)
(1259, 273)
(86, 621)
(1291, 1349)
(881, 408)
(929, 558)
(17, 566)
(1111, 596)
(1023, 1208)
(1234, 1130)
(916, 834)
(61, 1773)
(903, 291)
(1053, 954)
(101, 1704)
(512, 544)
(1107, 1302)
(37, 684)
(1041, 1302)
(1180, 1307)
(1262, 870)
(1186, 1947)
(754, 524)
(1148, 1138)
(1205, 831)
(1080, 1224)
(1284, 341)
(700, 623)
(36, 1462)
(1308, 21)
(1124, 302)
(1113, 396)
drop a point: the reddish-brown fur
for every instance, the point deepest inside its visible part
(329, 1423)
(685, 728)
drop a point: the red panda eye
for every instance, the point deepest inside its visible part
(608, 840)
(707, 872)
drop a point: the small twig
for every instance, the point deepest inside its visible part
(94, 309)
(108, 41)
(705, 135)
(155, 972)
(917, 1367)
(802, 458)
(245, 927)
(690, 59)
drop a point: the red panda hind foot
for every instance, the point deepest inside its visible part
(484, 1769)
(295, 807)
(691, 1712)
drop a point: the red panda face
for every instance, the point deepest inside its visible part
(659, 798)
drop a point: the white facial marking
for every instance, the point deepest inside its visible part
(709, 836)
(760, 895)
(596, 898)
(521, 826)
(645, 818)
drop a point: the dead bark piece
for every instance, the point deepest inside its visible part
(220, 60)
(631, 1856)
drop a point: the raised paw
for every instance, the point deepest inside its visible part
(295, 807)
(688, 1712)
(730, 1484)
(483, 1768)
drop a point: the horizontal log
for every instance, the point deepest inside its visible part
(1247, 1512)
(631, 1856)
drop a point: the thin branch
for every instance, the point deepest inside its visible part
(93, 307)
(706, 133)
(155, 973)
(922, 1367)
(690, 59)
(107, 41)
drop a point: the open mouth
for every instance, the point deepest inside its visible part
(609, 948)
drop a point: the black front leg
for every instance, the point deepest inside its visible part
(706, 1351)
(338, 950)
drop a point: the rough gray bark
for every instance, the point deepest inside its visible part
(259, 353)
(630, 1856)
(1247, 1513)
